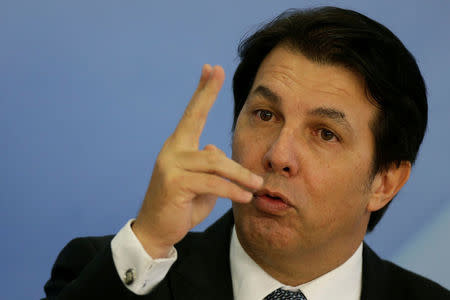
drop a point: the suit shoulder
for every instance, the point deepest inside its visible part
(383, 279)
(72, 260)
(79, 252)
(90, 241)
(85, 246)
(413, 285)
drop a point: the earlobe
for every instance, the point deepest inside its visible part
(387, 184)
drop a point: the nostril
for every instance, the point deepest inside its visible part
(286, 169)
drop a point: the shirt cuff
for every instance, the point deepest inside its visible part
(139, 272)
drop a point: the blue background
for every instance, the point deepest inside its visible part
(89, 91)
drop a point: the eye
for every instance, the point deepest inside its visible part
(264, 115)
(327, 135)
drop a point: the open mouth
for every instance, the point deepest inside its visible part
(271, 202)
(274, 198)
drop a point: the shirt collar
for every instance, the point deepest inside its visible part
(250, 282)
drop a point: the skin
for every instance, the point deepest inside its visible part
(293, 151)
(305, 129)
(186, 181)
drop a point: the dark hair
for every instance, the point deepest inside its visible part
(336, 36)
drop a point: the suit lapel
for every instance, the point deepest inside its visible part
(376, 280)
(202, 270)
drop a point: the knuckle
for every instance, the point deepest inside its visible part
(166, 177)
(173, 180)
(217, 150)
(210, 147)
(160, 163)
(158, 167)
(187, 113)
(212, 159)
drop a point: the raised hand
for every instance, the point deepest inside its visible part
(186, 181)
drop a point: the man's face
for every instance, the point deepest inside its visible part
(305, 129)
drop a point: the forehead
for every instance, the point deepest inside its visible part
(291, 69)
(309, 85)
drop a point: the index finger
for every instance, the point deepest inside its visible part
(194, 118)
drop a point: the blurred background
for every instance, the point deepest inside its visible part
(89, 91)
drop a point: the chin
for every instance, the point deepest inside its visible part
(262, 233)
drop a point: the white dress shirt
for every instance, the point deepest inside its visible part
(250, 282)
(129, 254)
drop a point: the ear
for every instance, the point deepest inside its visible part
(386, 185)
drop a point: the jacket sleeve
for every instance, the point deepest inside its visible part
(85, 270)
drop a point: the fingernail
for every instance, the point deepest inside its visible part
(205, 71)
(248, 196)
(213, 70)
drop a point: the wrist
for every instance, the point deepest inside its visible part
(155, 248)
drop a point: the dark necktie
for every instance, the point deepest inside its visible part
(281, 294)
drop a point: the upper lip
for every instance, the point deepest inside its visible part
(266, 191)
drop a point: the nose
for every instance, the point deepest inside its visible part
(281, 156)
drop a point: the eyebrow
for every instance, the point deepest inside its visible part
(266, 93)
(332, 114)
(322, 112)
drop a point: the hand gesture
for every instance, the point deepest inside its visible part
(186, 181)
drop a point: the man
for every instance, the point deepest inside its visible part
(330, 111)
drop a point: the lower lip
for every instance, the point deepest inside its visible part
(270, 205)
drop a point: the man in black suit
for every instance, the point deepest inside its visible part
(330, 111)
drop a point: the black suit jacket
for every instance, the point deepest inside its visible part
(85, 270)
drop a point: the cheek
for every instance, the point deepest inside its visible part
(337, 191)
(247, 149)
